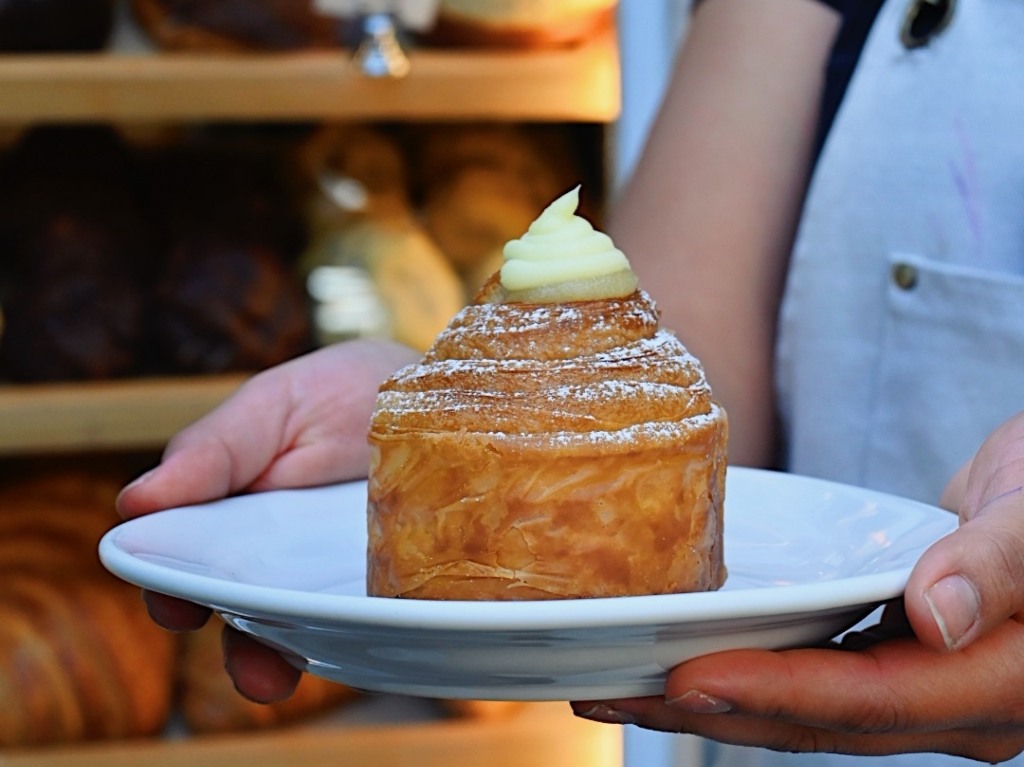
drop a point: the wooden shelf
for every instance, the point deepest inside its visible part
(129, 414)
(542, 735)
(577, 84)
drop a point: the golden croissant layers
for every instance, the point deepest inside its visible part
(544, 451)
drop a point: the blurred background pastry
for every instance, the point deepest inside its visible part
(237, 25)
(227, 297)
(520, 23)
(481, 185)
(78, 256)
(368, 246)
(32, 26)
(79, 657)
(208, 701)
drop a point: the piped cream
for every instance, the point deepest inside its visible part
(561, 257)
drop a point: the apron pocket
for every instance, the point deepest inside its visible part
(951, 370)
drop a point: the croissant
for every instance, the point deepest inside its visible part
(79, 657)
(547, 450)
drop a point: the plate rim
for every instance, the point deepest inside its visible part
(238, 598)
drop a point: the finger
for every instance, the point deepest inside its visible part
(990, 745)
(174, 614)
(970, 581)
(973, 579)
(956, 490)
(899, 686)
(258, 672)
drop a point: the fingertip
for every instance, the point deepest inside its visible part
(174, 614)
(130, 501)
(258, 672)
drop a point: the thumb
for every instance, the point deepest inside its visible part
(973, 579)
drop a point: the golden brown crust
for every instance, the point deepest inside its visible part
(547, 451)
(79, 657)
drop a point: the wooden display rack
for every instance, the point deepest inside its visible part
(134, 414)
(539, 735)
(578, 84)
(575, 84)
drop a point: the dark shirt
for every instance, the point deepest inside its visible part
(858, 16)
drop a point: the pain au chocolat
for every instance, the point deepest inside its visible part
(555, 442)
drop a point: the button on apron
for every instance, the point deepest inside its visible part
(904, 275)
(925, 20)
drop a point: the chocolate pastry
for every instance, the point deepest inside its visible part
(227, 305)
(77, 249)
(228, 297)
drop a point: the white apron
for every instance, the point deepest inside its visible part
(902, 328)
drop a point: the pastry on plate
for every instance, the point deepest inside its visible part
(554, 442)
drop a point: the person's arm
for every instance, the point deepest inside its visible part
(707, 218)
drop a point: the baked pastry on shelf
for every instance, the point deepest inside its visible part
(37, 26)
(226, 294)
(79, 657)
(370, 256)
(481, 185)
(78, 254)
(208, 702)
(554, 442)
(236, 25)
(520, 23)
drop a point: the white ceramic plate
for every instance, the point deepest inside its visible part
(807, 559)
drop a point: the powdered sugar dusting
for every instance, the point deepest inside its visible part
(600, 371)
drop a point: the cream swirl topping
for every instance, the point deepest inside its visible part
(561, 257)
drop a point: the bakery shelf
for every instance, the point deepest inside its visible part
(129, 414)
(541, 735)
(573, 84)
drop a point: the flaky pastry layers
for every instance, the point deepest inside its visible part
(545, 451)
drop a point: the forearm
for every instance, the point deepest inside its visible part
(709, 214)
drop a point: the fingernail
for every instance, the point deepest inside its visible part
(955, 607)
(140, 480)
(697, 702)
(606, 714)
